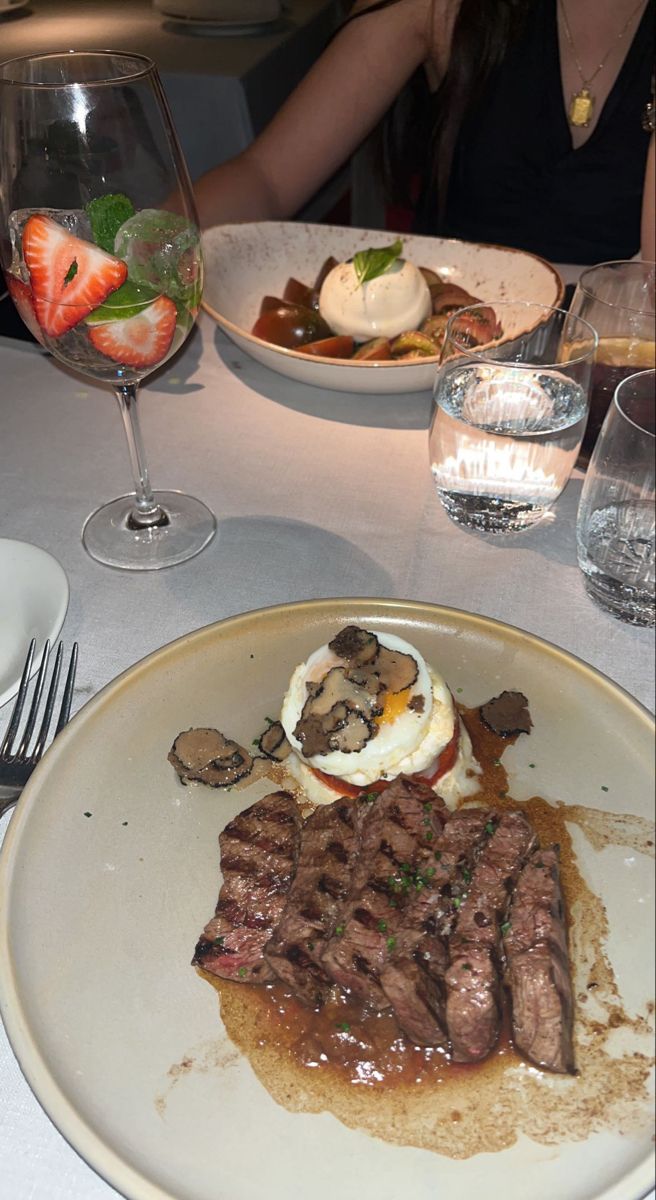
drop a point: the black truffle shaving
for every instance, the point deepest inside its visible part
(273, 742)
(507, 715)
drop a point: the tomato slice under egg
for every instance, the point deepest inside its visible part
(444, 762)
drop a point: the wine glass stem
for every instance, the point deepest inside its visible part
(146, 513)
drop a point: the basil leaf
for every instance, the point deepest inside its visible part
(369, 264)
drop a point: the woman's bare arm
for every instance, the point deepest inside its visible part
(332, 110)
(648, 237)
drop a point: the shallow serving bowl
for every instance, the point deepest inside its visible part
(244, 263)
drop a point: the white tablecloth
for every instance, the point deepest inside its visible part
(317, 494)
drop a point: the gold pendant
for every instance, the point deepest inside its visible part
(580, 108)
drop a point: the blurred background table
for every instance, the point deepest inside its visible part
(317, 494)
(222, 87)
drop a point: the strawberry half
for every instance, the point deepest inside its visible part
(139, 341)
(69, 277)
(21, 295)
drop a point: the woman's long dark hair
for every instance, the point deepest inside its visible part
(418, 136)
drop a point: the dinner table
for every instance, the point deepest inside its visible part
(317, 494)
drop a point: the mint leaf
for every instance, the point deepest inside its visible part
(107, 214)
(127, 301)
(369, 264)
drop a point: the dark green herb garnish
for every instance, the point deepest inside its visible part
(339, 929)
(505, 927)
(489, 828)
(369, 264)
(382, 926)
(391, 943)
(242, 972)
(218, 941)
(106, 215)
(604, 788)
(343, 1026)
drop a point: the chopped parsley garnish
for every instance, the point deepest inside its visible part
(532, 765)
(382, 926)
(429, 837)
(505, 927)
(218, 941)
(604, 788)
(489, 828)
(457, 902)
(343, 1026)
(466, 874)
(428, 807)
(242, 972)
(391, 943)
(88, 814)
(437, 855)
(339, 929)
(310, 945)
(466, 966)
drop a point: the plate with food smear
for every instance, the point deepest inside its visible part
(410, 853)
(362, 311)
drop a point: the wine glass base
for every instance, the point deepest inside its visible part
(108, 537)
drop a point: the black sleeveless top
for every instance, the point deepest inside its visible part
(517, 181)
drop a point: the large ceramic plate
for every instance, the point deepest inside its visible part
(245, 262)
(109, 870)
(33, 603)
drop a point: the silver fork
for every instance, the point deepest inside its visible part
(18, 761)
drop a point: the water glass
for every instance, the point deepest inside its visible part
(615, 526)
(619, 300)
(508, 419)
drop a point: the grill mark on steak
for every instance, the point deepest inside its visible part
(252, 895)
(316, 897)
(397, 832)
(413, 977)
(473, 1003)
(538, 966)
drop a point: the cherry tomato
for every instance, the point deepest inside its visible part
(447, 297)
(325, 270)
(290, 325)
(339, 346)
(377, 350)
(299, 293)
(476, 326)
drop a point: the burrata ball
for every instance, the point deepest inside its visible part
(390, 304)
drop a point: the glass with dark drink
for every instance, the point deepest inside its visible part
(619, 301)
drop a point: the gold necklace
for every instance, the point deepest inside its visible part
(581, 105)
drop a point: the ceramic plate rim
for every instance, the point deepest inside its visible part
(70, 1122)
(54, 628)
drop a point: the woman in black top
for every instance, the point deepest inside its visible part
(520, 122)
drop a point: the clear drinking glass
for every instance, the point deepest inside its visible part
(508, 419)
(615, 525)
(100, 247)
(619, 300)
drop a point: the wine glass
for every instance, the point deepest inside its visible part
(100, 248)
(619, 300)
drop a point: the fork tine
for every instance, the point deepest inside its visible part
(17, 710)
(65, 709)
(50, 704)
(34, 707)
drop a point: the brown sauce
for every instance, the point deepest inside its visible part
(360, 1067)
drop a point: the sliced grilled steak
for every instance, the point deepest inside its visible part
(413, 976)
(330, 843)
(259, 850)
(473, 1004)
(538, 965)
(397, 833)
